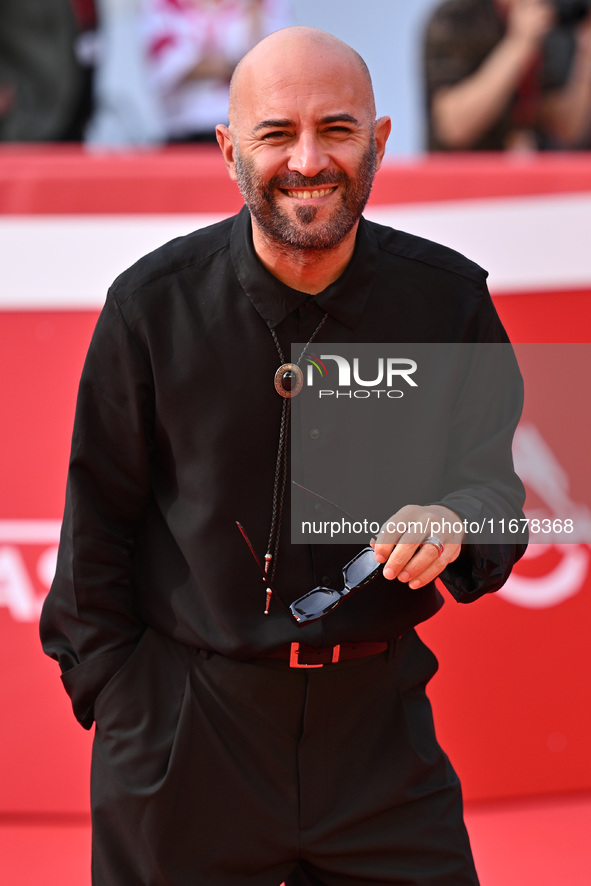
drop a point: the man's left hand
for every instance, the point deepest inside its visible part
(403, 548)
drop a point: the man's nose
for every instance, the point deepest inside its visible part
(308, 156)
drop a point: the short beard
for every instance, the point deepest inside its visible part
(260, 197)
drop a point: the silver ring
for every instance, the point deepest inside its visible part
(435, 541)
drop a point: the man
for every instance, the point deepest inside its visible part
(234, 745)
(508, 74)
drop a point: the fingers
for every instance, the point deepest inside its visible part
(398, 540)
(426, 566)
(402, 544)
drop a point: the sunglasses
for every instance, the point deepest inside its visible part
(317, 603)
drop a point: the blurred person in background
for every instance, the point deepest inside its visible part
(41, 80)
(125, 112)
(509, 74)
(192, 48)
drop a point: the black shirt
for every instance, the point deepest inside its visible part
(176, 437)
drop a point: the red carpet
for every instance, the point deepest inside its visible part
(534, 842)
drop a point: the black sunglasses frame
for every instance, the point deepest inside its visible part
(302, 618)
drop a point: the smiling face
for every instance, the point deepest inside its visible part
(307, 212)
(302, 142)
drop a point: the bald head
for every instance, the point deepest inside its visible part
(303, 56)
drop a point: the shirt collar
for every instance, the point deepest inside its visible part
(345, 299)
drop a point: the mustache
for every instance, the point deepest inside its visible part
(297, 180)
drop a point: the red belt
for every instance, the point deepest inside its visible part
(301, 656)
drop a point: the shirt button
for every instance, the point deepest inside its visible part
(314, 433)
(326, 580)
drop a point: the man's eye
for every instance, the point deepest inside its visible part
(275, 135)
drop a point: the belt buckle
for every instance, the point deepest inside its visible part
(294, 651)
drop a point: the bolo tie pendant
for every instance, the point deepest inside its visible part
(289, 380)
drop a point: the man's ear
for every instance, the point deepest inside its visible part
(382, 128)
(226, 144)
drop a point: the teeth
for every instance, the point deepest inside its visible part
(306, 195)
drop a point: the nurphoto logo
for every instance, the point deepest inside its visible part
(376, 380)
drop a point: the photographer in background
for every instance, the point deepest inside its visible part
(191, 48)
(509, 75)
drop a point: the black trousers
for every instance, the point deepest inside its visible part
(208, 770)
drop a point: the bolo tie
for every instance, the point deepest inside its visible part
(289, 380)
